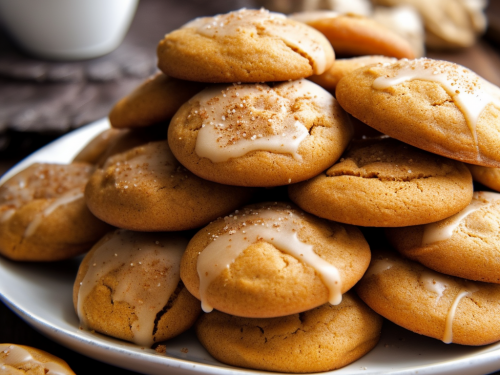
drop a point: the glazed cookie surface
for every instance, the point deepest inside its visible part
(154, 101)
(435, 105)
(128, 287)
(244, 46)
(43, 216)
(21, 359)
(354, 35)
(447, 308)
(489, 177)
(146, 189)
(270, 259)
(329, 79)
(381, 182)
(464, 245)
(321, 339)
(258, 135)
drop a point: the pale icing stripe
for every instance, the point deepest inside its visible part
(13, 355)
(239, 119)
(142, 281)
(433, 282)
(378, 266)
(274, 25)
(448, 331)
(64, 199)
(443, 230)
(6, 215)
(277, 228)
(470, 92)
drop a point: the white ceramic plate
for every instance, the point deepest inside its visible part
(41, 294)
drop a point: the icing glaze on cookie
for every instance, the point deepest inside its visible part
(443, 230)
(379, 266)
(15, 355)
(146, 267)
(278, 227)
(243, 118)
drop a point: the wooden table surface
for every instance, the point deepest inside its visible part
(483, 58)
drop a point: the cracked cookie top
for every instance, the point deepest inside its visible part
(382, 182)
(259, 134)
(244, 46)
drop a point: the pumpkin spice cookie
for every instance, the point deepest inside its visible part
(489, 177)
(155, 101)
(322, 339)
(269, 259)
(381, 182)
(244, 46)
(435, 105)
(43, 216)
(147, 189)
(464, 245)
(128, 287)
(260, 135)
(20, 360)
(355, 35)
(446, 308)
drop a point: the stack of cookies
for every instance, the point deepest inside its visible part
(265, 181)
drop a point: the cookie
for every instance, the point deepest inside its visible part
(146, 189)
(355, 35)
(43, 216)
(271, 259)
(20, 360)
(244, 46)
(154, 101)
(381, 182)
(259, 135)
(435, 105)
(489, 177)
(446, 308)
(322, 339)
(128, 287)
(329, 79)
(464, 245)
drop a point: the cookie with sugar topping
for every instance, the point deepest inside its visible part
(244, 46)
(381, 182)
(355, 35)
(260, 135)
(429, 303)
(20, 359)
(463, 245)
(128, 287)
(435, 105)
(156, 100)
(43, 216)
(147, 189)
(329, 337)
(272, 259)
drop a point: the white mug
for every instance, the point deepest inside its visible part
(67, 29)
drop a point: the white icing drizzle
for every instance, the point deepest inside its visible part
(434, 282)
(470, 92)
(7, 214)
(263, 22)
(378, 266)
(239, 119)
(64, 199)
(148, 273)
(443, 230)
(14, 355)
(448, 332)
(278, 227)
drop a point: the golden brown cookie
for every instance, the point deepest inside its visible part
(128, 286)
(271, 259)
(489, 177)
(244, 46)
(381, 182)
(20, 360)
(435, 105)
(260, 135)
(429, 303)
(322, 339)
(43, 216)
(146, 189)
(354, 35)
(329, 79)
(464, 245)
(154, 101)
